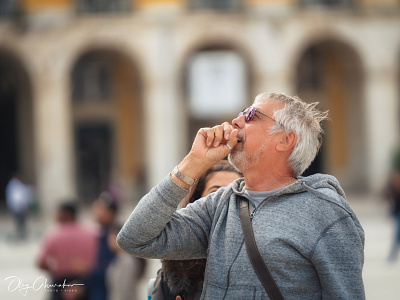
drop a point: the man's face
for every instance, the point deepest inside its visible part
(254, 140)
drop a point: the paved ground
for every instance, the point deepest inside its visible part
(19, 277)
(381, 278)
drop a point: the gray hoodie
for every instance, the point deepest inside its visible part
(307, 234)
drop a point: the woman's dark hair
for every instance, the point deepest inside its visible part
(185, 276)
(222, 166)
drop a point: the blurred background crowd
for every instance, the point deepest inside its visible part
(106, 96)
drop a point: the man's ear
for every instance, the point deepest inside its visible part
(287, 142)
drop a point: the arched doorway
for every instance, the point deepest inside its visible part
(16, 124)
(330, 72)
(216, 85)
(106, 110)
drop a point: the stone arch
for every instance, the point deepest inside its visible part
(16, 120)
(330, 71)
(106, 101)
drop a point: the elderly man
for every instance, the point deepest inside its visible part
(306, 233)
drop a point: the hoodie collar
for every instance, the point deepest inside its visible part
(320, 183)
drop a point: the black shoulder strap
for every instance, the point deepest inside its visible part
(255, 257)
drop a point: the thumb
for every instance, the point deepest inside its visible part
(178, 298)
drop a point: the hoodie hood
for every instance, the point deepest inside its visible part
(324, 186)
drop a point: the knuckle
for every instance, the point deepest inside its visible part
(204, 129)
(217, 127)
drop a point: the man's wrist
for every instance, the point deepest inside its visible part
(186, 179)
(193, 167)
(190, 167)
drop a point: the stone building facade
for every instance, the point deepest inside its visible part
(92, 92)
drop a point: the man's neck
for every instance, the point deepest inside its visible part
(257, 179)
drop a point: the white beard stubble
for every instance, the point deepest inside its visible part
(243, 161)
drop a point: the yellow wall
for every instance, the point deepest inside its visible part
(270, 1)
(144, 3)
(37, 5)
(336, 95)
(128, 121)
(380, 2)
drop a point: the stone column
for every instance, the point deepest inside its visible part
(381, 123)
(163, 112)
(53, 137)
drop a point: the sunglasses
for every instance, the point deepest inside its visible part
(250, 112)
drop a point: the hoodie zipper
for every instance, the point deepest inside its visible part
(252, 214)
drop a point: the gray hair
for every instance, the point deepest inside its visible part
(302, 118)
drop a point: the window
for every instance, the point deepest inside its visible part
(310, 71)
(93, 79)
(8, 8)
(103, 6)
(329, 3)
(93, 159)
(227, 5)
(217, 84)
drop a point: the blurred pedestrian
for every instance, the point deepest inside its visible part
(105, 211)
(392, 194)
(19, 197)
(68, 251)
(116, 274)
(184, 278)
(124, 273)
(114, 188)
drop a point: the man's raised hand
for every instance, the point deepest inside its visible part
(209, 147)
(210, 144)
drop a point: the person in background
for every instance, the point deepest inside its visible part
(68, 250)
(124, 273)
(184, 278)
(19, 196)
(116, 274)
(392, 194)
(104, 211)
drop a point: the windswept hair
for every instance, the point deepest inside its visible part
(302, 118)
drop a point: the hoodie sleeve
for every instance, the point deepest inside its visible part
(338, 257)
(156, 230)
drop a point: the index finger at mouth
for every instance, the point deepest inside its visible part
(210, 136)
(219, 131)
(227, 130)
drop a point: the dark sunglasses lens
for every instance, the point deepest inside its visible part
(250, 114)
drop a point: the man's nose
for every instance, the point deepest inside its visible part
(238, 122)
